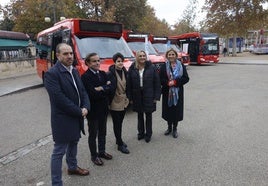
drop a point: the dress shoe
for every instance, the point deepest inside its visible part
(105, 156)
(123, 149)
(123, 144)
(175, 134)
(147, 139)
(140, 136)
(168, 131)
(79, 171)
(97, 161)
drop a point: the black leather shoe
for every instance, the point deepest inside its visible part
(140, 136)
(97, 161)
(147, 139)
(168, 131)
(123, 149)
(123, 144)
(175, 134)
(105, 156)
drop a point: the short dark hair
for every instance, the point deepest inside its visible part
(87, 59)
(118, 55)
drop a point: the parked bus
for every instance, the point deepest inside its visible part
(161, 45)
(140, 41)
(85, 37)
(202, 47)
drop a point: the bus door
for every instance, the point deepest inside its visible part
(62, 36)
(193, 49)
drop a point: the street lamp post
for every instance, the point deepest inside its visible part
(48, 19)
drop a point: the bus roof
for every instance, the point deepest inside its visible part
(132, 36)
(193, 35)
(159, 39)
(85, 27)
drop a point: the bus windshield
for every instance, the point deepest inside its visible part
(96, 44)
(135, 46)
(160, 47)
(210, 46)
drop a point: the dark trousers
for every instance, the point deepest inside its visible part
(148, 123)
(97, 127)
(118, 117)
(173, 124)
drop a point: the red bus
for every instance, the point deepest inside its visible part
(85, 37)
(202, 47)
(161, 45)
(139, 41)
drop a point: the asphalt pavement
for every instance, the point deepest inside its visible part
(249, 160)
(23, 81)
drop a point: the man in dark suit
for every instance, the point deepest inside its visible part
(69, 105)
(98, 88)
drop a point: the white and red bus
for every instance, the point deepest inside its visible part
(161, 45)
(140, 41)
(202, 47)
(85, 37)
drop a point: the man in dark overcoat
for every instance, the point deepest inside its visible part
(98, 88)
(69, 105)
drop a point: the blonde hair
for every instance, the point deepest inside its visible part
(138, 52)
(171, 50)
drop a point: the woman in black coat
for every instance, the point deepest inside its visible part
(173, 76)
(144, 90)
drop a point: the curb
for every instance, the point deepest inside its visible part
(22, 89)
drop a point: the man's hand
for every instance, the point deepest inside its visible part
(100, 88)
(84, 112)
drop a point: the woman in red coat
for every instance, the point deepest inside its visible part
(173, 76)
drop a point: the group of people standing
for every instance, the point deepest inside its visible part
(74, 99)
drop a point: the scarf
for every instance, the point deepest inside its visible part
(173, 74)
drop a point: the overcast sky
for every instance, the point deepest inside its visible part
(170, 10)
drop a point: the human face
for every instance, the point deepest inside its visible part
(141, 57)
(171, 56)
(94, 63)
(65, 56)
(119, 63)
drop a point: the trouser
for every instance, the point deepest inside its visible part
(60, 149)
(172, 124)
(118, 117)
(148, 123)
(97, 127)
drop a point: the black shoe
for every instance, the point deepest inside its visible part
(168, 131)
(175, 134)
(140, 136)
(105, 156)
(147, 139)
(123, 149)
(123, 144)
